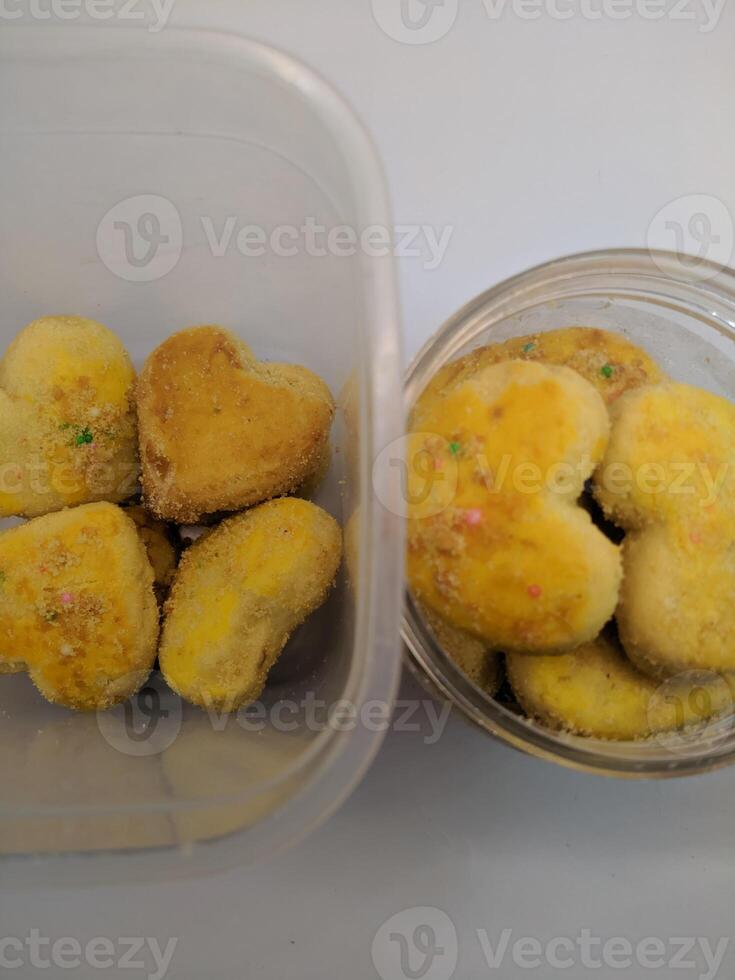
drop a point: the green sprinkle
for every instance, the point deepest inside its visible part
(83, 437)
(454, 448)
(607, 371)
(528, 348)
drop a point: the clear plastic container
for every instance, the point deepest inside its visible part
(683, 313)
(127, 155)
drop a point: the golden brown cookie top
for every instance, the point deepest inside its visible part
(609, 361)
(220, 430)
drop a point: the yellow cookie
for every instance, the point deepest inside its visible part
(67, 418)
(159, 546)
(497, 543)
(220, 430)
(238, 595)
(595, 691)
(607, 360)
(481, 665)
(668, 479)
(77, 602)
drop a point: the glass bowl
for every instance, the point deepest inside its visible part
(682, 311)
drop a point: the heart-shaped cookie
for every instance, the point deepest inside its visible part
(238, 595)
(67, 418)
(77, 606)
(220, 430)
(668, 479)
(497, 543)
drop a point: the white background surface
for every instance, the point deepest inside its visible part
(531, 139)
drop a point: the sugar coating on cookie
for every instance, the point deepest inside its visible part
(668, 479)
(67, 418)
(239, 593)
(595, 691)
(609, 361)
(76, 600)
(497, 543)
(220, 430)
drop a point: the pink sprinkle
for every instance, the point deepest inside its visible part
(473, 517)
(535, 591)
(695, 537)
(438, 464)
(66, 598)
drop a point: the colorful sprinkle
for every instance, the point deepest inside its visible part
(454, 448)
(607, 371)
(473, 517)
(535, 591)
(67, 598)
(695, 537)
(84, 437)
(438, 463)
(528, 348)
